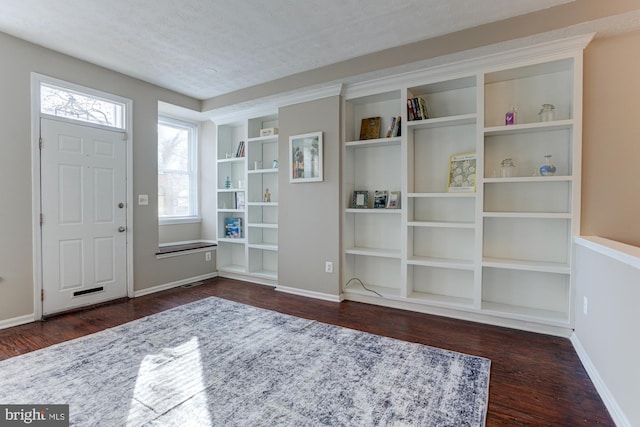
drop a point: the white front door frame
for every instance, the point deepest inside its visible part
(36, 115)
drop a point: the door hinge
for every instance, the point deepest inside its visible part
(41, 219)
(42, 295)
(125, 136)
(40, 143)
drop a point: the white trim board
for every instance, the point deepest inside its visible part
(622, 252)
(615, 411)
(172, 285)
(17, 321)
(309, 294)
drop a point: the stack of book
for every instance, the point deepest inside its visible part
(417, 109)
(394, 127)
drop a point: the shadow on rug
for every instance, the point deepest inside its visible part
(216, 362)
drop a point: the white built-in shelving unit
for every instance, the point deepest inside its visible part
(254, 254)
(501, 254)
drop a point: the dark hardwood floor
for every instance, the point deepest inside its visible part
(536, 380)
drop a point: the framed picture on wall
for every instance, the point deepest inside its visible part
(305, 158)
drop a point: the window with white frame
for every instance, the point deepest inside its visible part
(83, 106)
(177, 170)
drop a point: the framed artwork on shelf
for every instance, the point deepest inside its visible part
(462, 173)
(370, 128)
(393, 201)
(233, 228)
(380, 199)
(305, 157)
(360, 199)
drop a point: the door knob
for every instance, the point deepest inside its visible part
(121, 229)
(121, 205)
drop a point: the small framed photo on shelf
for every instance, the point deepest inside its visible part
(393, 201)
(370, 128)
(462, 173)
(305, 157)
(380, 199)
(360, 199)
(240, 200)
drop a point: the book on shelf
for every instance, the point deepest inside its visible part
(370, 128)
(397, 127)
(462, 173)
(417, 109)
(240, 149)
(391, 128)
(240, 200)
(233, 228)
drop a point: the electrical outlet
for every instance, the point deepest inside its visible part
(585, 305)
(328, 267)
(143, 199)
(207, 256)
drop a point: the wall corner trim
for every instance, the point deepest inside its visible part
(609, 401)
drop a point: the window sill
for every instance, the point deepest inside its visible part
(167, 250)
(179, 220)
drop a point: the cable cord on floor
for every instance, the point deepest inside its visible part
(362, 284)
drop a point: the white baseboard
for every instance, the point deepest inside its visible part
(615, 411)
(17, 321)
(171, 285)
(310, 294)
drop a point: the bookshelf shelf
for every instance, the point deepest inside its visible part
(501, 252)
(254, 255)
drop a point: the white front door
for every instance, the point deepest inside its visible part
(83, 196)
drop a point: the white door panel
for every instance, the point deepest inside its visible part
(83, 205)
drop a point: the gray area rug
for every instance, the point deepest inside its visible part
(220, 363)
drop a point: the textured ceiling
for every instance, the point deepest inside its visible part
(205, 48)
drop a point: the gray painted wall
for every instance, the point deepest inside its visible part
(309, 213)
(19, 60)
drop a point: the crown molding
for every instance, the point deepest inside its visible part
(470, 66)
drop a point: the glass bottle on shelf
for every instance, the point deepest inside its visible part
(547, 168)
(511, 115)
(507, 168)
(546, 113)
(227, 182)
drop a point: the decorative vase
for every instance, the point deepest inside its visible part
(507, 168)
(546, 113)
(227, 182)
(510, 116)
(548, 168)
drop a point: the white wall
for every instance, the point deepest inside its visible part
(606, 338)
